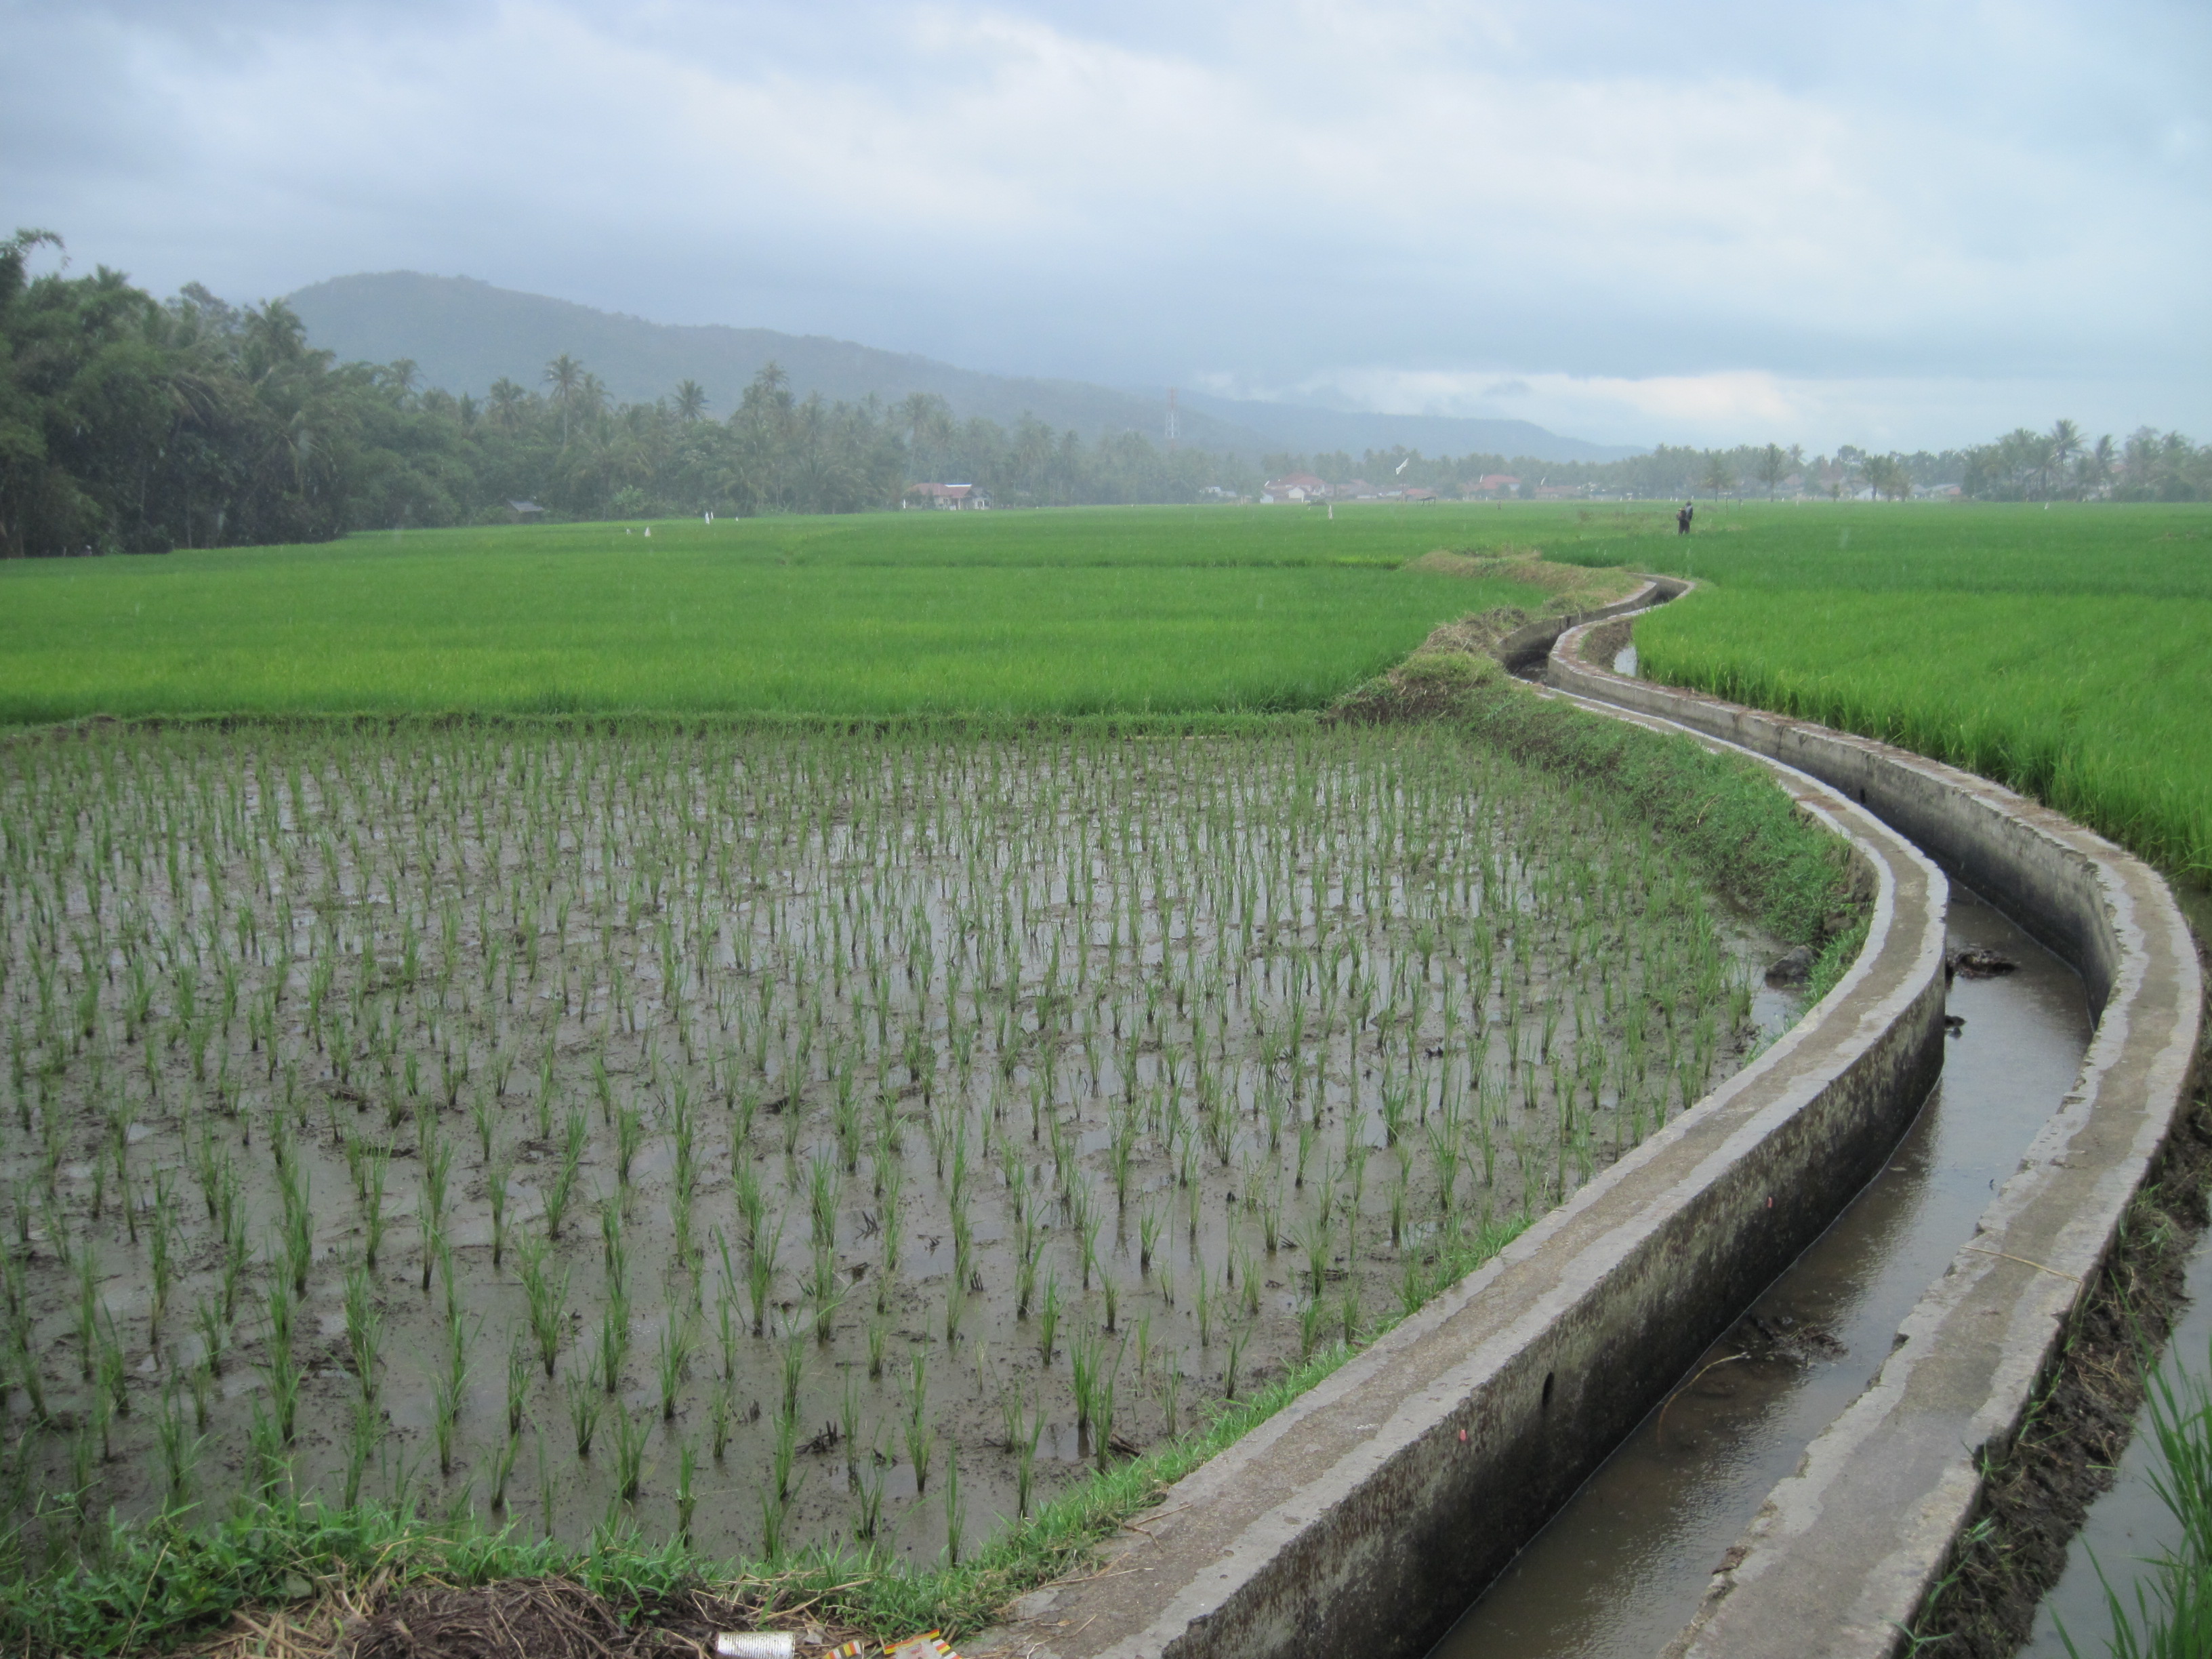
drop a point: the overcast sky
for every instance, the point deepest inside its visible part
(1897, 225)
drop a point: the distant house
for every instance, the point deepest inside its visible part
(523, 511)
(1421, 495)
(1357, 491)
(1494, 484)
(1561, 492)
(947, 497)
(1294, 486)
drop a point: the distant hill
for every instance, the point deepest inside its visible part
(1301, 427)
(463, 334)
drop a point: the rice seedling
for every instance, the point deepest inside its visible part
(113, 1379)
(562, 1191)
(181, 1451)
(1024, 1469)
(760, 1274)
(793, 1368)
(445, 1410)
(1048, 1320)
(503, 1467)
(364, 1330)
(547, 1301)
(631, 1434)
(518, 1382)
(678, 1340)
(721, 1409)
(956, 1512)
(687, 1501)
(920, 1433)
(611, 1357)
(1310, 1317)
(1104, 1387)
(586, 1402)
(978, 985)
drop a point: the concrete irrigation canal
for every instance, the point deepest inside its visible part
(1685, 1366)
(1621, 1569)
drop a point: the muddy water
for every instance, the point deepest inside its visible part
(1620, 1570)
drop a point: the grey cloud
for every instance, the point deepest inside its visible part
(1283, 194)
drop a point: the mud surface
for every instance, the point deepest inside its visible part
(777, 1137)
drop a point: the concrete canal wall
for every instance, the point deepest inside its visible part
(1842, 1553)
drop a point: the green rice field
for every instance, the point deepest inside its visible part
(1095, 611)
(2066, 652)
(937, 1123)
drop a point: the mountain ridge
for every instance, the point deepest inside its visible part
(463, 334)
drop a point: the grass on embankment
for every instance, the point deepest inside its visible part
(155, 1586)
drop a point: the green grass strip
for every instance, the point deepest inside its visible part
(1725, 810)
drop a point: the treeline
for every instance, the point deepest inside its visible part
(1668, 471)
(133, 424)
(2060, 463)
(2064, 464)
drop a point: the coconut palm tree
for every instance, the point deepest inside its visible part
(506, 399)
(401, 377)
(1773, 467)
(2093, 470)
(690, 401)
(2065, 443)
(566, 376)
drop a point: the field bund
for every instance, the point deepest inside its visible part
(1364, 1517)
(1843, 1554)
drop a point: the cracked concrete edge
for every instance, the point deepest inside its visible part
(1367, 1513)
(1843, 1554)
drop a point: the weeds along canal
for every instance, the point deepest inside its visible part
(1619, 1571)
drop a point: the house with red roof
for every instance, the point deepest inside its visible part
(1294, 486)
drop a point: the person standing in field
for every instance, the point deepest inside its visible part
(1682, 518)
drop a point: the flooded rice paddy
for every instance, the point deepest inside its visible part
(777, 1137)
